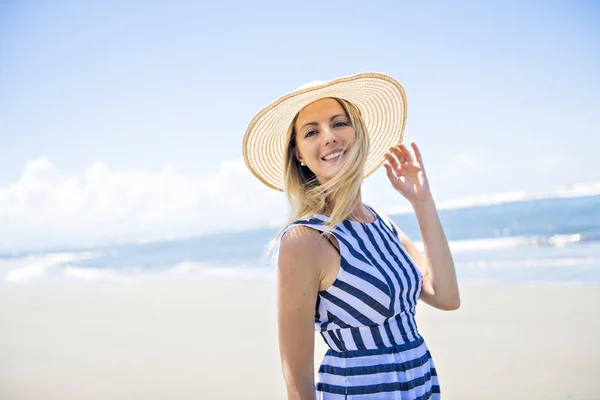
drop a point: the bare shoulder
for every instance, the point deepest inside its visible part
(300, 248)
(300, 238)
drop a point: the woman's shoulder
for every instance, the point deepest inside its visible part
(304, 233)
(299, 235)
(306, 223)
(301, 248)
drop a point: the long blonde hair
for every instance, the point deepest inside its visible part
(338, 196)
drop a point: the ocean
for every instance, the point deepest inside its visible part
(539, 241)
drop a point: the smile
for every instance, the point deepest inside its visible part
(333, 156)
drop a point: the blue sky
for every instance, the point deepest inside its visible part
(112, 98)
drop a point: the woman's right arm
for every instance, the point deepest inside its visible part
(298, 280)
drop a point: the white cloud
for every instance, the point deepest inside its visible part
(45, 208)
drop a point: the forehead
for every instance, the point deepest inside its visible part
(319, 109)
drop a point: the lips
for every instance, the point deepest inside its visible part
(339, 153)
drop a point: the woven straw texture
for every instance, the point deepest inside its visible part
(380, 98)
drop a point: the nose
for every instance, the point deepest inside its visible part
(328, 135)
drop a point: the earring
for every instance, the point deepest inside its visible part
(301, 163)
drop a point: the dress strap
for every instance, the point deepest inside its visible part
(329, 240)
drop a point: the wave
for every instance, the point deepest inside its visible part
(552, 262)
(490, 244)
(63, 267)
(186, 271)
(37, 267)
(72, 266)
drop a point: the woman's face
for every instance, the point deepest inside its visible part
(323, 131)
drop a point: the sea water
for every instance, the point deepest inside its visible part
(541, 241)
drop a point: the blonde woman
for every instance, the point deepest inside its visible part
(344, 268)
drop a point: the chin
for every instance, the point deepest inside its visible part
(332, 172)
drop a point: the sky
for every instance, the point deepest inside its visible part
(123, 121)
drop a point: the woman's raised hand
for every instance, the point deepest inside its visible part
(407, 173)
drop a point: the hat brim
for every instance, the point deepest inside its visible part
(380, 99)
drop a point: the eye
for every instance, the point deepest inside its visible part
(340, 124)
(310, 133)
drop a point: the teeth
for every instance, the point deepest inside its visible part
(334, 155)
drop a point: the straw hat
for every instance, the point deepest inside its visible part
(379, 98)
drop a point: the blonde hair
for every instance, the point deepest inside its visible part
(338, 195)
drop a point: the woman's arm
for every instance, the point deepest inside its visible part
(440, 286)
(407, 175)
(298, 280)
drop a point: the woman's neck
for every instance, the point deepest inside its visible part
(358, 211)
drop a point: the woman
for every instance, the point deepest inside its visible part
(344, 268)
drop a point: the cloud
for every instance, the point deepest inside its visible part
(45, 208)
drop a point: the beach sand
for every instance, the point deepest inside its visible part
(219, 341)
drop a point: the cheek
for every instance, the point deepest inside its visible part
(350, 136)
(305, 149)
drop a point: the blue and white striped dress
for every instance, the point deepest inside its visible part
(367, 318)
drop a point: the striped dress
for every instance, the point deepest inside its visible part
(367, 318)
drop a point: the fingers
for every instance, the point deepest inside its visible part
(398, 153)
(406, 152)
(402, 154)
(390, 172)
(392, 159)
(417, 153)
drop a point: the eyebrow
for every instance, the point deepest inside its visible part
(330, 119)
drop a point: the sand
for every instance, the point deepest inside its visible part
(218, 341)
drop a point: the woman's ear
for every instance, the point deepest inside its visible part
(298, 156)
